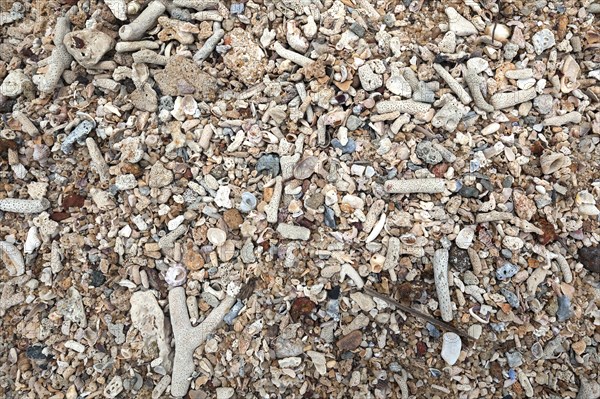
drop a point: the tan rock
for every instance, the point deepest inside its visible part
(183, 76)
(350, 341)
(88, 46)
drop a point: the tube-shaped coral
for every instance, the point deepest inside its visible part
(507, 100)
(456, 87)
(440, 273)
(430, 186)
(59, 60)
(373, 215)
(188, 338)
(197, 4)
(98, 162)
(17, 205)
(210, 44)
(473, 81)
(138, 27)
(290, 55)
(393, 254)
(403, 106)
(272, 208)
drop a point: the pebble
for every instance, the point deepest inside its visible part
(469, 192)
(543, 104)
(459, 258)
(353, 122)
(349, 341)
(515, 359)
(349, 148)
(427, 152)
(506, 271)
(564, 308)
(465, 237)
(159, 176)
(268, 164)
(590, 258)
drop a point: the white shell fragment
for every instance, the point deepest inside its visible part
(451, 347)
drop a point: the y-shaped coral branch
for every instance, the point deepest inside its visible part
(188, 338)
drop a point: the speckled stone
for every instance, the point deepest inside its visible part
(183, 76)
(245, 59)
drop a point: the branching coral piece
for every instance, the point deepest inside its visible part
(59, 60)
(188, 338)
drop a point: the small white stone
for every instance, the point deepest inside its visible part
(222, 197)
(588, 210)
(465, 237)
(364, 302)
(175, 222)
(140, 223)
(216, 236)
(125, 231)
(126, 182)
(76, 346)
(525, 84)
(459, 24)
(289, 362)
(451, 347)
(33, 241)
(475, 331)
(225, 392)
(448, 43)
(512, 243)
(318, 360)
(398, 85)
(357, 170)
(478, 64)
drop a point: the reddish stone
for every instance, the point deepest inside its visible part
(350, 341)
(549, 232)
(421, 348)
(300, 308)
(73, 200)
(59, 216)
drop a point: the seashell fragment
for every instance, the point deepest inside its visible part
(12, 258)
(216, 236)
(451, 346)
(552, 161)
(464, 239)
(175, 275)
(305, 168)
(33, 241)
(248, 202)
(459, 24)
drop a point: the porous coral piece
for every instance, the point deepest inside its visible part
(17, 205)
(148, 318)
(146, 20)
